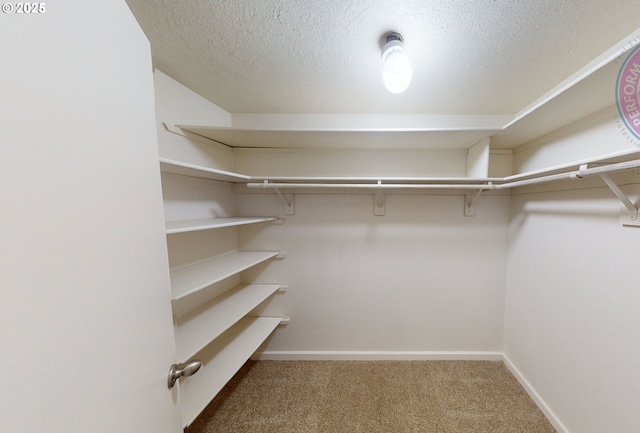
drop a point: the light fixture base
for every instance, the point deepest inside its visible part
(393, 36)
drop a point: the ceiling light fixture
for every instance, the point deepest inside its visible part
(396, 69)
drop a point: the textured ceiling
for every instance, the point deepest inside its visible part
(293, 56)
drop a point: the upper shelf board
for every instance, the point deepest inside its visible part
(177, 167)
(341, 139)
(212, 223)
(193, 170)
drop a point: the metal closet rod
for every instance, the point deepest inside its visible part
(584, 171)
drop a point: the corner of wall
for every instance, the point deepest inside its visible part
(542, 405)
(178, 105)
(500, 162)
(478, 159)
(592, 136)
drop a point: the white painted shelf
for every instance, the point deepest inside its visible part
(200, 327)
(212, 223)
(196, 276)
(220, 361)
(194, 170)
(177, 167)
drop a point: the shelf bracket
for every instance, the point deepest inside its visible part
(628, 211)
(287, 201)
(470, 201)
(282, 289)
(378, 205)
(284, 321)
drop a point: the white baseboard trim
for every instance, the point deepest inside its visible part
(312, 355)
(546, 410)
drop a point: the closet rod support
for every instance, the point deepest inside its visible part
(378, 207)
(631, 213)
(284, 321)
(287, 201)
(470, 201)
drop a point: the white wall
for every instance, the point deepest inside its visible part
(571, 308)
(85, 318)
(595, 135)
(571, 322)
(420, 280)
(350, 162)
(177, 105)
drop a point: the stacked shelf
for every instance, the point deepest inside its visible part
(212, 223)
(216, 331)
(193, 170)
(221, 360)
(197, 329)
(197, 276)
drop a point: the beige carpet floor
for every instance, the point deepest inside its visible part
(372, 396)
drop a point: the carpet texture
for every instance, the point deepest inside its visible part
(372, 396)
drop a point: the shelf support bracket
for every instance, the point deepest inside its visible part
(628, 214)
(470, 201)
(284, 321)
(287, 201)
(378, 205)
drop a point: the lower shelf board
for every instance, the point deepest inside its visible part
(220, 361)
(196, 276)
(184, 226)
(197, 329)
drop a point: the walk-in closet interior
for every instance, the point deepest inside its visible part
(190, 185)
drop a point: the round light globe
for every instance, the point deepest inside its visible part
(396, 69)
